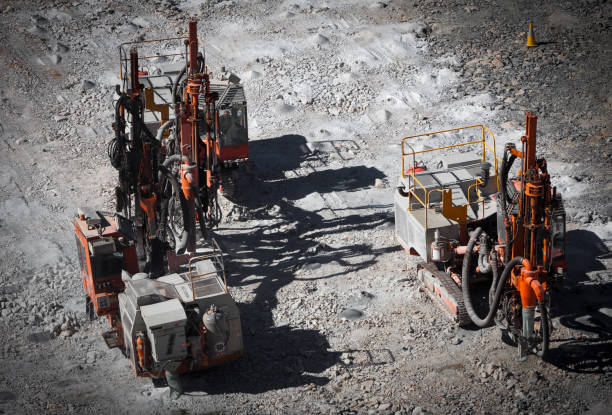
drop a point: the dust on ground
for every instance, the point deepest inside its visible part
(331, 89)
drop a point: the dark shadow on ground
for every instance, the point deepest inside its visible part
(282, 357)
(587, 285)
(275, 358)
(583, 303)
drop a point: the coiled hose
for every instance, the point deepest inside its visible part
(116, 147)
(465, 283)
(182, 242)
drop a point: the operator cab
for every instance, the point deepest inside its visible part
(232, 126)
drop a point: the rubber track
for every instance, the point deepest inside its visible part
(452, 289)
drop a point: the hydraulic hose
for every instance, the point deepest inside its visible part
(495, 272)
(182, 242)
(175, 85)
(148, 133)
(198, 204)
(162, 129)
(465, 283)
(116, 147)
(505, 170)
(201, 63)
(173, 158)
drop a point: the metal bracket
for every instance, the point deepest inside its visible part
(456, 213)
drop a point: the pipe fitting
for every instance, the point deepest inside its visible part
(483, 257)
(536, 287)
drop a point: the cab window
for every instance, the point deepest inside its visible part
(232, 126)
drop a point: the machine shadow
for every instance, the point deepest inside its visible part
(275, 358)
(285, 356)
(583, 304)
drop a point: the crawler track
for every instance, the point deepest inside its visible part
(443, 290)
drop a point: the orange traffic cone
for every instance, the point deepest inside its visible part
(530, 37)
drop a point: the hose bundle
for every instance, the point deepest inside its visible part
(497, 285)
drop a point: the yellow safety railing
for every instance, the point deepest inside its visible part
(480, 198)
(484, 133)
(475, 184)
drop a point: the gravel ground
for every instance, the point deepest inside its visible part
(333, 318)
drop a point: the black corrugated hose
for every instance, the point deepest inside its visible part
(465, 283)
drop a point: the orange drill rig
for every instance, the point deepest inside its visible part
(161, 283)
(171, 169)
(472, 227)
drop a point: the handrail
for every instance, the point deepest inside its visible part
(476, 183)
(428, 150)
(431, 191)
(494, 149)
(442, 131)
(216, 255)
(412, 185)
(414, 181)
(413, 193)
(123, 53)
(480, 198)
(483, 140)
(193, 258)
(124, 58)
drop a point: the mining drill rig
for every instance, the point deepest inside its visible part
(485, 232)
(152, 266)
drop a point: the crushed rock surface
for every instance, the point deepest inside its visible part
(333, 318)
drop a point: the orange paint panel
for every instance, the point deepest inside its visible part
(227, 153)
